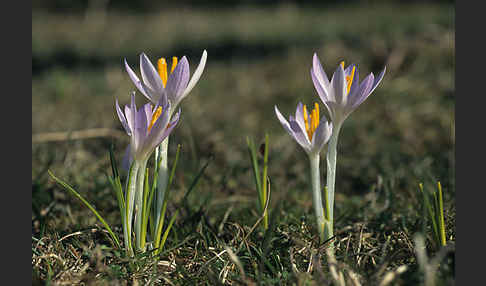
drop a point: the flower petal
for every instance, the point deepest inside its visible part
(138, 83)
(338, 85)
(362, 92)
(378, 80)
(150, 75)
(197, 74)
(283, 121)
(177, 82)
(122, 118)
(321, 135)
(300, 136)
(319, 72)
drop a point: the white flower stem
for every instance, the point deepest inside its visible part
(331, 176)
(163, 178)
(139, 204)
(316, 193)
(129, 200)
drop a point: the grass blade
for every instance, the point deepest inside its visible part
(86, 203)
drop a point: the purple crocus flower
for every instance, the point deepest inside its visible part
(147, 127)
(343, 94)
(158, 85)
(310, 132)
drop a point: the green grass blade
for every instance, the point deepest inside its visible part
(264, 186)
(196, 179)
(158, 230)
(87, 204)
(431, 212)
(441, 216)
(115, 182)
(166, 232)
(256, 171)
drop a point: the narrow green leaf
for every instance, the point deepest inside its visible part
(166, 232)
(196, 179)
(87, 204)
(256, 172)
(441, 216)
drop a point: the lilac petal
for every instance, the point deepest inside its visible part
(130, 112)
(283, 121)
(377, 80)
(319, 71)
(339, 112)
(136, 81)
(321, 135)
(299, 117)
(122, 118)
(197, 74)
(154, 137)
(148, 113)
(177, 82)
(150, 75)
(127, 158)
(300, 136)
(338, 85)
(170, 127)
(140, 127)
(321, 90)
(362, 92)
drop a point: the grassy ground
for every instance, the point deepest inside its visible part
(402, 135)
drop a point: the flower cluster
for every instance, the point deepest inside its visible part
(341, 96)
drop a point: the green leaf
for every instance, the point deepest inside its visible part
(86, 203)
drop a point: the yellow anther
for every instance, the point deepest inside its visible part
(349, 79)
(155, 116)
(162, 68)
(310, 127)
(174, 64)
(342, 64)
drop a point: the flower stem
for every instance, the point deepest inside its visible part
(331, 177)
(316, 194)
(139, 204)
(130, 199)
(162, 179)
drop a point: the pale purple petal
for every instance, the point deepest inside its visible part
(127, 158)
(338, 84)
(150, 75)
(158, 128)
(122, 118)
(197, 74)
(148, 113)
(283, 121)
(377, 80)
(300, 136)
(299, 117)
(319, 71)
(138, 83)
(130, 112)
(321, 135)
(362, 92)
(177, 82)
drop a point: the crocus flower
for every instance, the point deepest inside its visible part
(158, 84)
(147, 126)
(312, 133)
(343, 94)
(308, 129)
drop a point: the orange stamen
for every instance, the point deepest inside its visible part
(162, 69)
(155, 116)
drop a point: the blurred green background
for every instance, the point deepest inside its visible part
(259, 55)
